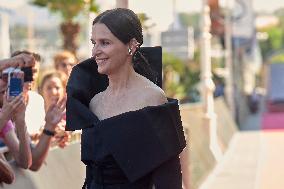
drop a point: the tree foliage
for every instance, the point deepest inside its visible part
(190, 20)
(144, 19)
(179, 77)
(279, 58)
(68, 9)
(275, 34)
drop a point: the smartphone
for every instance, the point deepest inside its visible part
(28, 74)
(15, 82)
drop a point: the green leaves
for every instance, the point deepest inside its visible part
(41, 3)
(179, 77)
(68, 9)
(93, 7)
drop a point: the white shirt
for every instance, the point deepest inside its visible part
(35, 113)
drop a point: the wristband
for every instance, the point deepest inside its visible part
(48, 132)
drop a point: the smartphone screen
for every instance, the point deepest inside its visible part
(15, 87)
(15, 83)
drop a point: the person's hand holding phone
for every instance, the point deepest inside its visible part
(15, 80)
(19, 112)
(12, 108)
(21, 60)
(24, 60)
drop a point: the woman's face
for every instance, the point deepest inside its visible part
(109, 52)
(52, 90)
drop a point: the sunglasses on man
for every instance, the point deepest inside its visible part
(65, 65)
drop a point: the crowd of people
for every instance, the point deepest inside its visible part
(35, 120)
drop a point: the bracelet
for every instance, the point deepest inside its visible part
(48, 132)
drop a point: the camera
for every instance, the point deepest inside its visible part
(15, 80)
(28, 74)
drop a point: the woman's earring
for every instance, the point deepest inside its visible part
(130, 52)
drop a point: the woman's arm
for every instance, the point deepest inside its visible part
(53, 116)
(19, 144)
(185, 169)
(6, 173)
(25, 155)
(3, 121)
(6, 112)
(40, 151)
(19, 147)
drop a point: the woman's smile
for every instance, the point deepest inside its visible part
(101, 61)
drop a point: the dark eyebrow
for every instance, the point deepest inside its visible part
(103, 39)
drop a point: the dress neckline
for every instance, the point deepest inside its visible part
(81, 117)
(146, 108)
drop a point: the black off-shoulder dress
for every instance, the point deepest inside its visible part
(134, 150)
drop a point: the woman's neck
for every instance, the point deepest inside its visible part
(121, 80)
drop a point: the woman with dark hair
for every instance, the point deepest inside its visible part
(132, 134)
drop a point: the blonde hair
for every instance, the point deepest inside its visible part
(63, 78)
(58, 58)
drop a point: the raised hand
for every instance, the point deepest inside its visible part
(55, 112)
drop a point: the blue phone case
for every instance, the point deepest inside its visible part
(16, 87)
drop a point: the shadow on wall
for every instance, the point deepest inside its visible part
(63, 169)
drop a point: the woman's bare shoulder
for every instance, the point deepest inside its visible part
(153, 94)
(95, 100)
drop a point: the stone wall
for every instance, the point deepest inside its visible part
(201, 159)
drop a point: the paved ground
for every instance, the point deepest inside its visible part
(271, 166)
(254, 160)
(238, 169)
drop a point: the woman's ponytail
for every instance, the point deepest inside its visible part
(142, 66)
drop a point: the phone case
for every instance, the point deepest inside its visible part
(15, 83)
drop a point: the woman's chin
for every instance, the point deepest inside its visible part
(101, 70)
